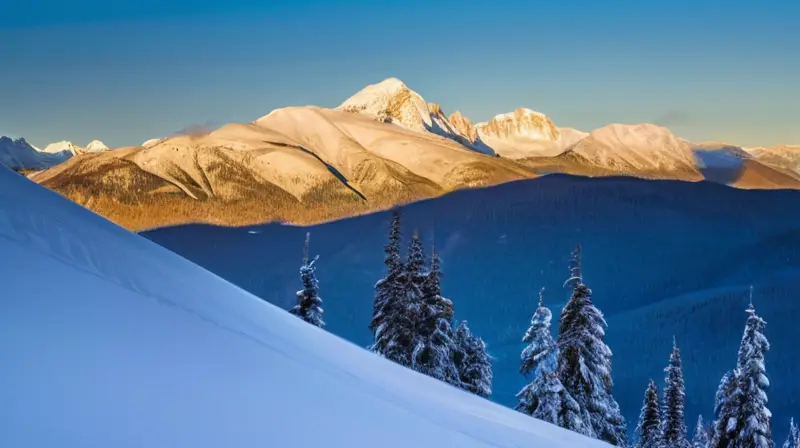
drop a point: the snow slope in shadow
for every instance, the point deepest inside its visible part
(663, 258)
(109, 340)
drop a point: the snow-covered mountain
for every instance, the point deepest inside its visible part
(19, 155)
(782, 156)
(391, 101)
(150, 142)
(386, 145)
(216, 365)
(525, 133)
(96, 146)
(93, 146)
(645, 149)
(62, 146)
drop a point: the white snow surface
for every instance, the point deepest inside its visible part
(126, 344)
(150, 142)
(62, 146)
(96, 146)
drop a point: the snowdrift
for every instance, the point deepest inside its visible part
(109, 340)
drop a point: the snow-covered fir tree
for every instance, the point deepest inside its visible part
(435, 345)
(726, 410)
(396, 335)
(584, 362)
(756, 419)
(743, 419)
(309, 303)
(545, 398)
(472, 361)
(539, 339)
(700, 438)
(648, 431)
(388, 289)
(673, 422)
(793, 439)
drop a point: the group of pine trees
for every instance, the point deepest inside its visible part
(413, 324)
(571, 376)
(570, 381)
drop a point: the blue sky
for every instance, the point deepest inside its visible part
(124, 71)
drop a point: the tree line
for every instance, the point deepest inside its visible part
(569, 377)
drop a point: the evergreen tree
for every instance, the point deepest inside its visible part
(540, 341)
(545, 398)
(743, 419)
(755, 422)
(584, 363)
(472, 361)
(674, 425)
(396, 336)
(309, 303)
(793, 439)
(434, 342)
(648, 430)
(726, 410)
(700, 438)
(387, 289)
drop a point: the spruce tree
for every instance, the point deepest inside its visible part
(743, 419)
(648, 431)
(434, 335)
(309, 303)
(396, 337)
(793, 439)
(700, 438)
(755, 422)
(387, 289)
(472, 361)
(584, 363)
(726, 410)
(674, 424)
(545, 398)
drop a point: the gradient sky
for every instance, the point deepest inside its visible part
(125, 71)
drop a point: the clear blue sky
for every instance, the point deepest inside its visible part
(124, 71)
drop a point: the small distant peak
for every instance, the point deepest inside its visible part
(435, 109)
(391, 82)
(458, 116)
(96, 145)
(525, 111)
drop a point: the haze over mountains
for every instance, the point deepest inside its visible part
(385, 145)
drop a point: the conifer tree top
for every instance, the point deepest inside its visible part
(575, 271)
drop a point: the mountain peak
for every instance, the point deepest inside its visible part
(464, 125)
(96, 146)
(54, 148)
(522, 122)
(391, 101)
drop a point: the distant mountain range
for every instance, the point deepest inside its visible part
(384, 146)
(19, 155)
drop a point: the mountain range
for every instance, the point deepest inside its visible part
(20, 155)
(384, 146)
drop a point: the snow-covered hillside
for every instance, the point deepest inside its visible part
(128, 345)
(20, 155)
(663, 258)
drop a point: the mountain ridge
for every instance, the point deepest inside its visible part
(384, 146)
